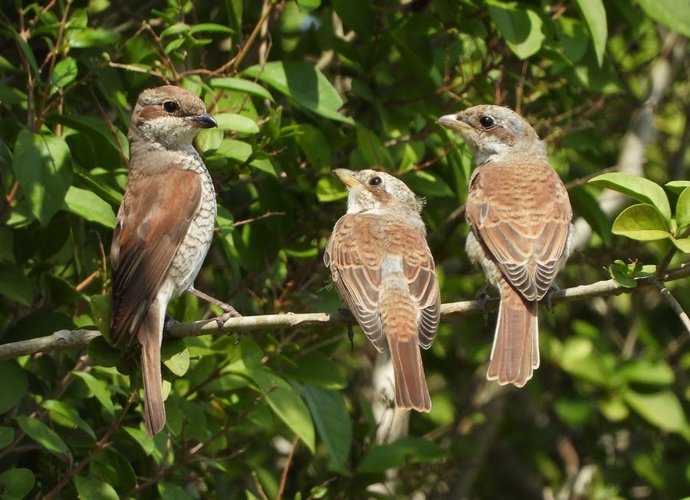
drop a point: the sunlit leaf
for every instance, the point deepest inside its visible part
(241, 85)
(15, 384)
(673, 13)
(521, 27)
(661, 409)
(98, 388)
(89, 206)
(41, 164)
(594, 13)
(43, 435)
(92, 488)
(304, 84)
(641, 222)
(638, 188)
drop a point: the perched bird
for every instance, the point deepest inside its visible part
(164, 227)
(519, 213)
(383, 268)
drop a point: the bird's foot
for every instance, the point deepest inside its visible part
(549, 295)
(230, 312)
(347, 316)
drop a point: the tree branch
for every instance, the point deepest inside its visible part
(66, 339)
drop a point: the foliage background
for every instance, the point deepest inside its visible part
(299, 88)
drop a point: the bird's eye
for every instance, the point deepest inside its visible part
(486, 121)
(375, 181)
(170, 106)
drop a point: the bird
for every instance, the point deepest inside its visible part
(383, 268)
(520, 218)
(163, 229)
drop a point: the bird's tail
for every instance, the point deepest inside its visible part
(399, 318)
(149, 335)
(515, 352)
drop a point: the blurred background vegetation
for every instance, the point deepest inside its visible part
(299, 88)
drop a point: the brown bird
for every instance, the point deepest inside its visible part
(164, 228)
(383, 268)
(520, 214)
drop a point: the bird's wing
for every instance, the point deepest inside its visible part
(355, 253)
(153, 219)
(521, 214)
(356, 272)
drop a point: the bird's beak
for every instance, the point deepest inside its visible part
(203, 121)
(346, 176)
(452, 122)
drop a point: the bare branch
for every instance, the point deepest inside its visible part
(66, 339)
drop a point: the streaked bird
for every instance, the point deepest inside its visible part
(164, 228)
(519, 213)
(383, 269)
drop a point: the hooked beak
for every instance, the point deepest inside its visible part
(203, 121)
(452, 122)
(346, 176)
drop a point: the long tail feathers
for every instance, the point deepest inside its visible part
(149, 336)
(515, 352)
(411, 391)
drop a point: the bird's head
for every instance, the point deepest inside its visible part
(170, 116)
(494, 133)
(370, 190)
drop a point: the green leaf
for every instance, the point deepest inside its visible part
(372, 150)
(241, 85)
(171, 491)
(64, 73)
(282, 398)
(318, 369)
(41, 165)
(43, 435)
(407, 450)
(614, 409)
(100, 312)
(115, 468)
(427, 184)
(304, 84)
(16, 483)
(147, 444)
(683, 210)
(683, 244)
(677, 186)
(622, 274)
(91, 488)
(646, 371)
(661, 409)
(210, 28)
(14, 385)
(91, 37)
(594, 13)
(638, 188)
(15, 285)
(357, 15)
(309, 4)
(6, 436)
(236, 123)
(641, 222)
(330, 189)
(586, 205)
(175, 356)
(333, 424)
(673, 13)
(89, 206)
(66, 416)
(98, 388)
(579, 358)
(521, 28)
(237, 150)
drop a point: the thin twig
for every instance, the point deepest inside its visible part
(79, 339)
(675, 305)
(286, 469)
